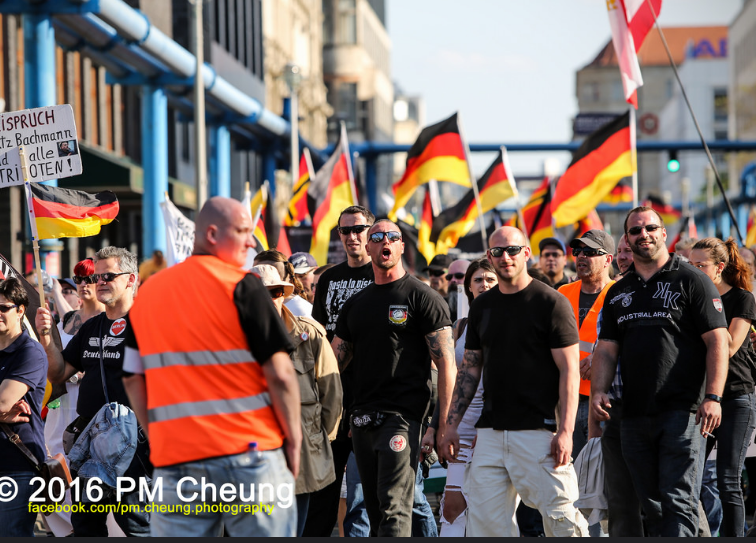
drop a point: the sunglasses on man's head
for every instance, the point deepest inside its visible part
(107, 277)
(587, 251)
(377, 237)
(458, 275)
(6, 308)
(635, 230)
(512, 250)
(356, 229)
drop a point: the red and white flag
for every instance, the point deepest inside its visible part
(640, 18)
(624, 46)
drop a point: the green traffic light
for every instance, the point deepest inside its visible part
(673, 165)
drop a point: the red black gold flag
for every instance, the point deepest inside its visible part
(424, 245)
(257, 208)
(494, 186)
(621, 193)
(537, 216)
(668, 213)
(331, 190)
(297, 211)
(65, 213)
(438, 153)
(750, 240)
(605, 157)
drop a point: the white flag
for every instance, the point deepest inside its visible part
(179, 233)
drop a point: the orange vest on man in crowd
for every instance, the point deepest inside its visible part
(206, 394)
(588, 333)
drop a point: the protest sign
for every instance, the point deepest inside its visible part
(179, 233)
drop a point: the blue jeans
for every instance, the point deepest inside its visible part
(733, 434)
(269, 476)
(710, 497)
(15, 518)
(662, 455)
(423, 521)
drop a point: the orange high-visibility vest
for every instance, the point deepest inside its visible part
(206, 394)
(588, 334)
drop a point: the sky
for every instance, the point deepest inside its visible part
(509, 65)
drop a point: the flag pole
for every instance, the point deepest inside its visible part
(698, 128)
(308, 161)
(474, 183)
(33, 225)
(510, 177)
(634, 156)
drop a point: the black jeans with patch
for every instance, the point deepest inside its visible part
(387, 459)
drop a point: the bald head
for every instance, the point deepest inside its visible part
(224, 229)
(507, 235)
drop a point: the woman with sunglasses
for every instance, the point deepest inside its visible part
(62, 411)
(296, 301)
(479, 278)
(722, 262)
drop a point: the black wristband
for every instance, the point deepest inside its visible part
(713, 398)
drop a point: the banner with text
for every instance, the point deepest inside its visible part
(179, 233)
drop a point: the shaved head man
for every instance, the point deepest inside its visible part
(224, 229)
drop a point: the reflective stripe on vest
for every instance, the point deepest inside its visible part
(586, 347)
(196, 358)
(211, 407)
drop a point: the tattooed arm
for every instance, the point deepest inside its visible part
(468, 377)
(441, 347)
(343, 351)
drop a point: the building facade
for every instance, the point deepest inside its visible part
(742, 103)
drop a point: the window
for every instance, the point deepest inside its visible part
(590, 92)
(720, 104)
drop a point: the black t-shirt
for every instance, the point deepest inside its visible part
(83, 353)
(585, 304)
(739, 303)
(25, 361)
(658, 325)
(387, 325)
(335, 286)
(516, 333)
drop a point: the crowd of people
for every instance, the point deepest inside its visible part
(337, 387)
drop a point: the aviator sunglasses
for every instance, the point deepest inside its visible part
(377, 237)
(356, 229)
(587, 251)
(635, 230)
(512, 250)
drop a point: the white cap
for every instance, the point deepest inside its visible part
(272, 279)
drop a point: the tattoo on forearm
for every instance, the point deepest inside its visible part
(468, 376)
(75, 324)
(344, 351)
(440, 345)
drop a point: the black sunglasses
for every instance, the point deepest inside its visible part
(458, 275)
(79, 279)
(587, 251)
(436, 273)
(635, 230)
(107, 277)
(6, 308)
(276, 292)
(512, 250)
(357, 229)
(377, 237)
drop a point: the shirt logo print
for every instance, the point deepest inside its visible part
(108, 341)
(670, 298)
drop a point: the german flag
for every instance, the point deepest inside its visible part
(750, 240)
(537, 216)
(688, 230)
(331, 190)
(424, 245)
(621, 193)
(297, 211)
(605, 157)
(495, 186)
(438, 153)
(257, 207)
(668, 213)
(65, 213)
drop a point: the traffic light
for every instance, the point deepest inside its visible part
(673, 165)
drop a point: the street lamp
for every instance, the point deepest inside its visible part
(292, 74)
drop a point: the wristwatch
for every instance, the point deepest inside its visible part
(713, 398)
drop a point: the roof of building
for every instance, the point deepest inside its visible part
(652, 51)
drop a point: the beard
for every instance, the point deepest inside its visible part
(648, 252)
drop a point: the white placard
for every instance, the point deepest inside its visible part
(48, 136)
(179, 233)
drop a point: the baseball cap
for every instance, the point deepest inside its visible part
(439, 262)
(303, 262)
(68, 281)
(552, 241)
(271, 278)
(595, 239)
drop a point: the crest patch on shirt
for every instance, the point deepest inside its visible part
(717, 304)
(398, 314)
(118, 327)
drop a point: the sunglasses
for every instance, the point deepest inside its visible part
(107, 277)
(587, 251)
(6, 308)
(635, 230)
(377, 237)
(79, 279)
(357, 229)
(512, 250)
(436, 273)
(276, 292)
(458, 275)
